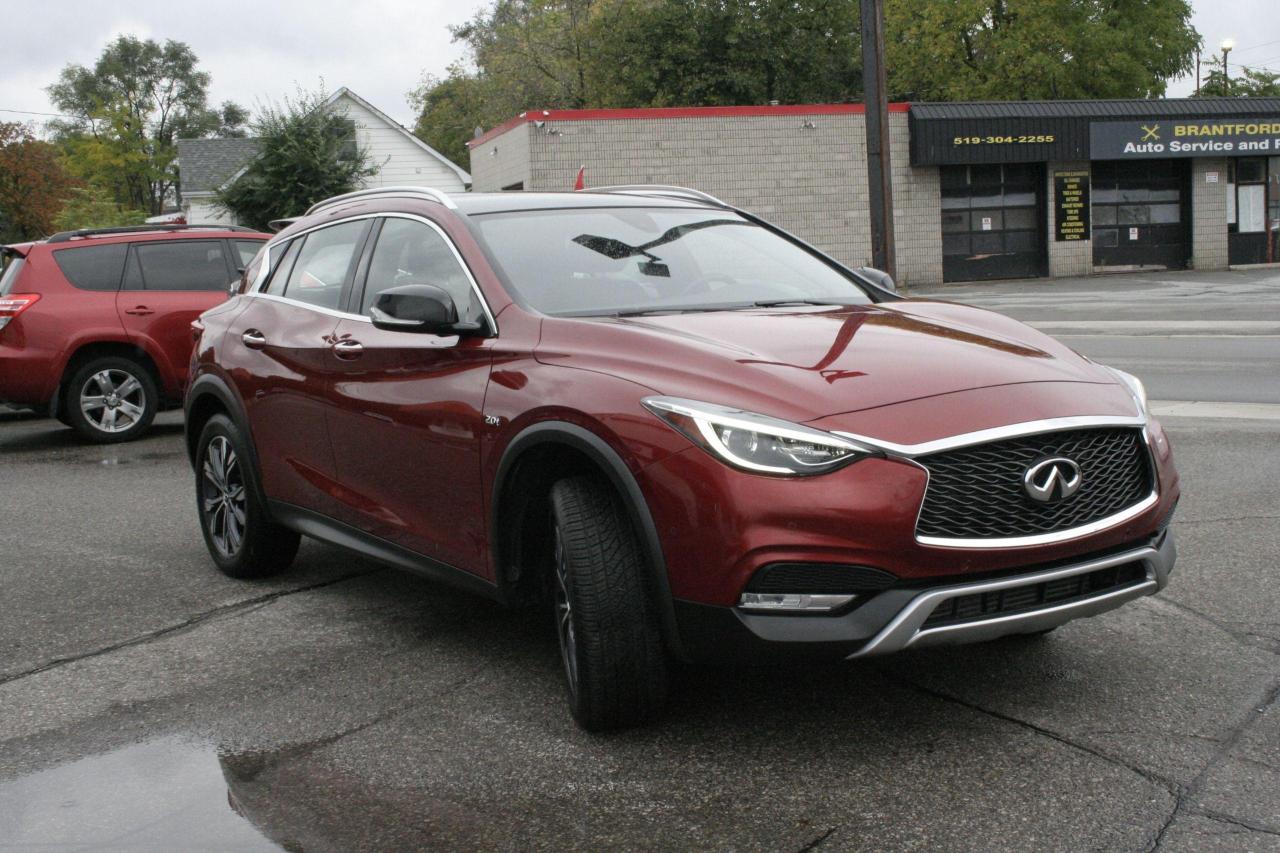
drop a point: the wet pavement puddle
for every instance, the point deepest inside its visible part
(162, 795)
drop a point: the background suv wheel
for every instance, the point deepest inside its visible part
(111, 399)
(242, 540)
(610, 643)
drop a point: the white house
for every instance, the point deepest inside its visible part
(400, 158)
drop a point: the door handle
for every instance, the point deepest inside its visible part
(347, 349)
(254, 339)
(139, 311)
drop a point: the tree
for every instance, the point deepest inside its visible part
(1250, 83)
(1036, 49)
(32, 184)
(306, 153)
(91, 207)
(449, 110)
(127, 111)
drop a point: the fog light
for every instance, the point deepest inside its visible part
(792, 602)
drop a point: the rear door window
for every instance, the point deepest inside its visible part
(324, 263)
(93, 267)
(185, 265)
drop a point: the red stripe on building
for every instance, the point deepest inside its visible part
(677, 113)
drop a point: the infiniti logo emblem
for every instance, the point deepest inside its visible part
(1052, 479)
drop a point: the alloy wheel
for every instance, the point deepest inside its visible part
(564, 615)
(222, 496)
(113, 400)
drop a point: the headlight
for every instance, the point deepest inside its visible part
(757, 443)
(1135, 386)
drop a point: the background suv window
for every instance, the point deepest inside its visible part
(323, 264)
(93, 267)
(410, 252)
(187, 265)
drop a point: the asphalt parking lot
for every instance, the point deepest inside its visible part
(147, 702)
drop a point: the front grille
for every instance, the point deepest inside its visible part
(1020, 599)
(977, 492)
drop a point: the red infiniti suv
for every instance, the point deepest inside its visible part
(95, 325)
(688, 432)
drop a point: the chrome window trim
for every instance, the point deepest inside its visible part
(256, 290)
(342, 315)
(905, 630)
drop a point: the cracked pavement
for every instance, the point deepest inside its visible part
(146, 702)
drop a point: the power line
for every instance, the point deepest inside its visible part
(34, 113)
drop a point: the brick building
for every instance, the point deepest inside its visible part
(994, 190)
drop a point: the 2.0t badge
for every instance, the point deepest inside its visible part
(1051, 480)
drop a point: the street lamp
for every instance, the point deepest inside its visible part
(1227, 45)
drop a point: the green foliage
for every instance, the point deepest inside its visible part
(1036, 49)
(139, 97)
(32, 184)
(92, 207)
(1248, 84)
(532, 54)
(306, 153)
(449, 109)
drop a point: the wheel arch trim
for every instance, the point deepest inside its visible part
(212, 385)
(611, 464)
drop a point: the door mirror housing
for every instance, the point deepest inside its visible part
(418, 308)
(879, 278)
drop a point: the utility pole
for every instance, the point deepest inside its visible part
(879, 178)
(1227, 45)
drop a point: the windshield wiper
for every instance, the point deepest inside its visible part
(778, 303)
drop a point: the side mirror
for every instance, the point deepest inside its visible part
(879, 278)
(417, 308)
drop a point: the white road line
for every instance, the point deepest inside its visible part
(1206, 409)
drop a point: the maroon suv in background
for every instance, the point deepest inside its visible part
(95, 325)
(688, 431)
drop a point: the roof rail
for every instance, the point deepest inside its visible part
(660, 189)
(420, 192)
(64, 236)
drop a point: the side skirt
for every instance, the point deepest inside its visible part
(326, 529)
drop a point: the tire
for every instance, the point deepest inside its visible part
(111, 399)
(610, 644)
(242, 539)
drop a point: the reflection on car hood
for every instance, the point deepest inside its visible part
(807, 362)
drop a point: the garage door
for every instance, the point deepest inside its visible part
(993, 221)
(1141, 214)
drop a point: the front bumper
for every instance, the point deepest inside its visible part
(895, 619)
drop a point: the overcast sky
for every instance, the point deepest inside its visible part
(257, 51)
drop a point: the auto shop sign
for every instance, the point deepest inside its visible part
(1128, 140)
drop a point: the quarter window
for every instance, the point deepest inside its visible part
(410, 252)
(93, 267)
(187, 265)
(246, 250)
(323, 264)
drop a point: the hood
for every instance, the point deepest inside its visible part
(809, 362)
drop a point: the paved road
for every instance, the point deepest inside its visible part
(148, 703)
(1207, 336)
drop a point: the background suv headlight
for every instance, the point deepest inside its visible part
(757, 443)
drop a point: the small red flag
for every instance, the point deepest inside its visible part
(581, 182)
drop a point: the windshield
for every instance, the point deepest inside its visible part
(12, 267)
(641, 260)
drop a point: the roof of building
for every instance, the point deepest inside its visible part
(1117, 109)
(207, 164)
